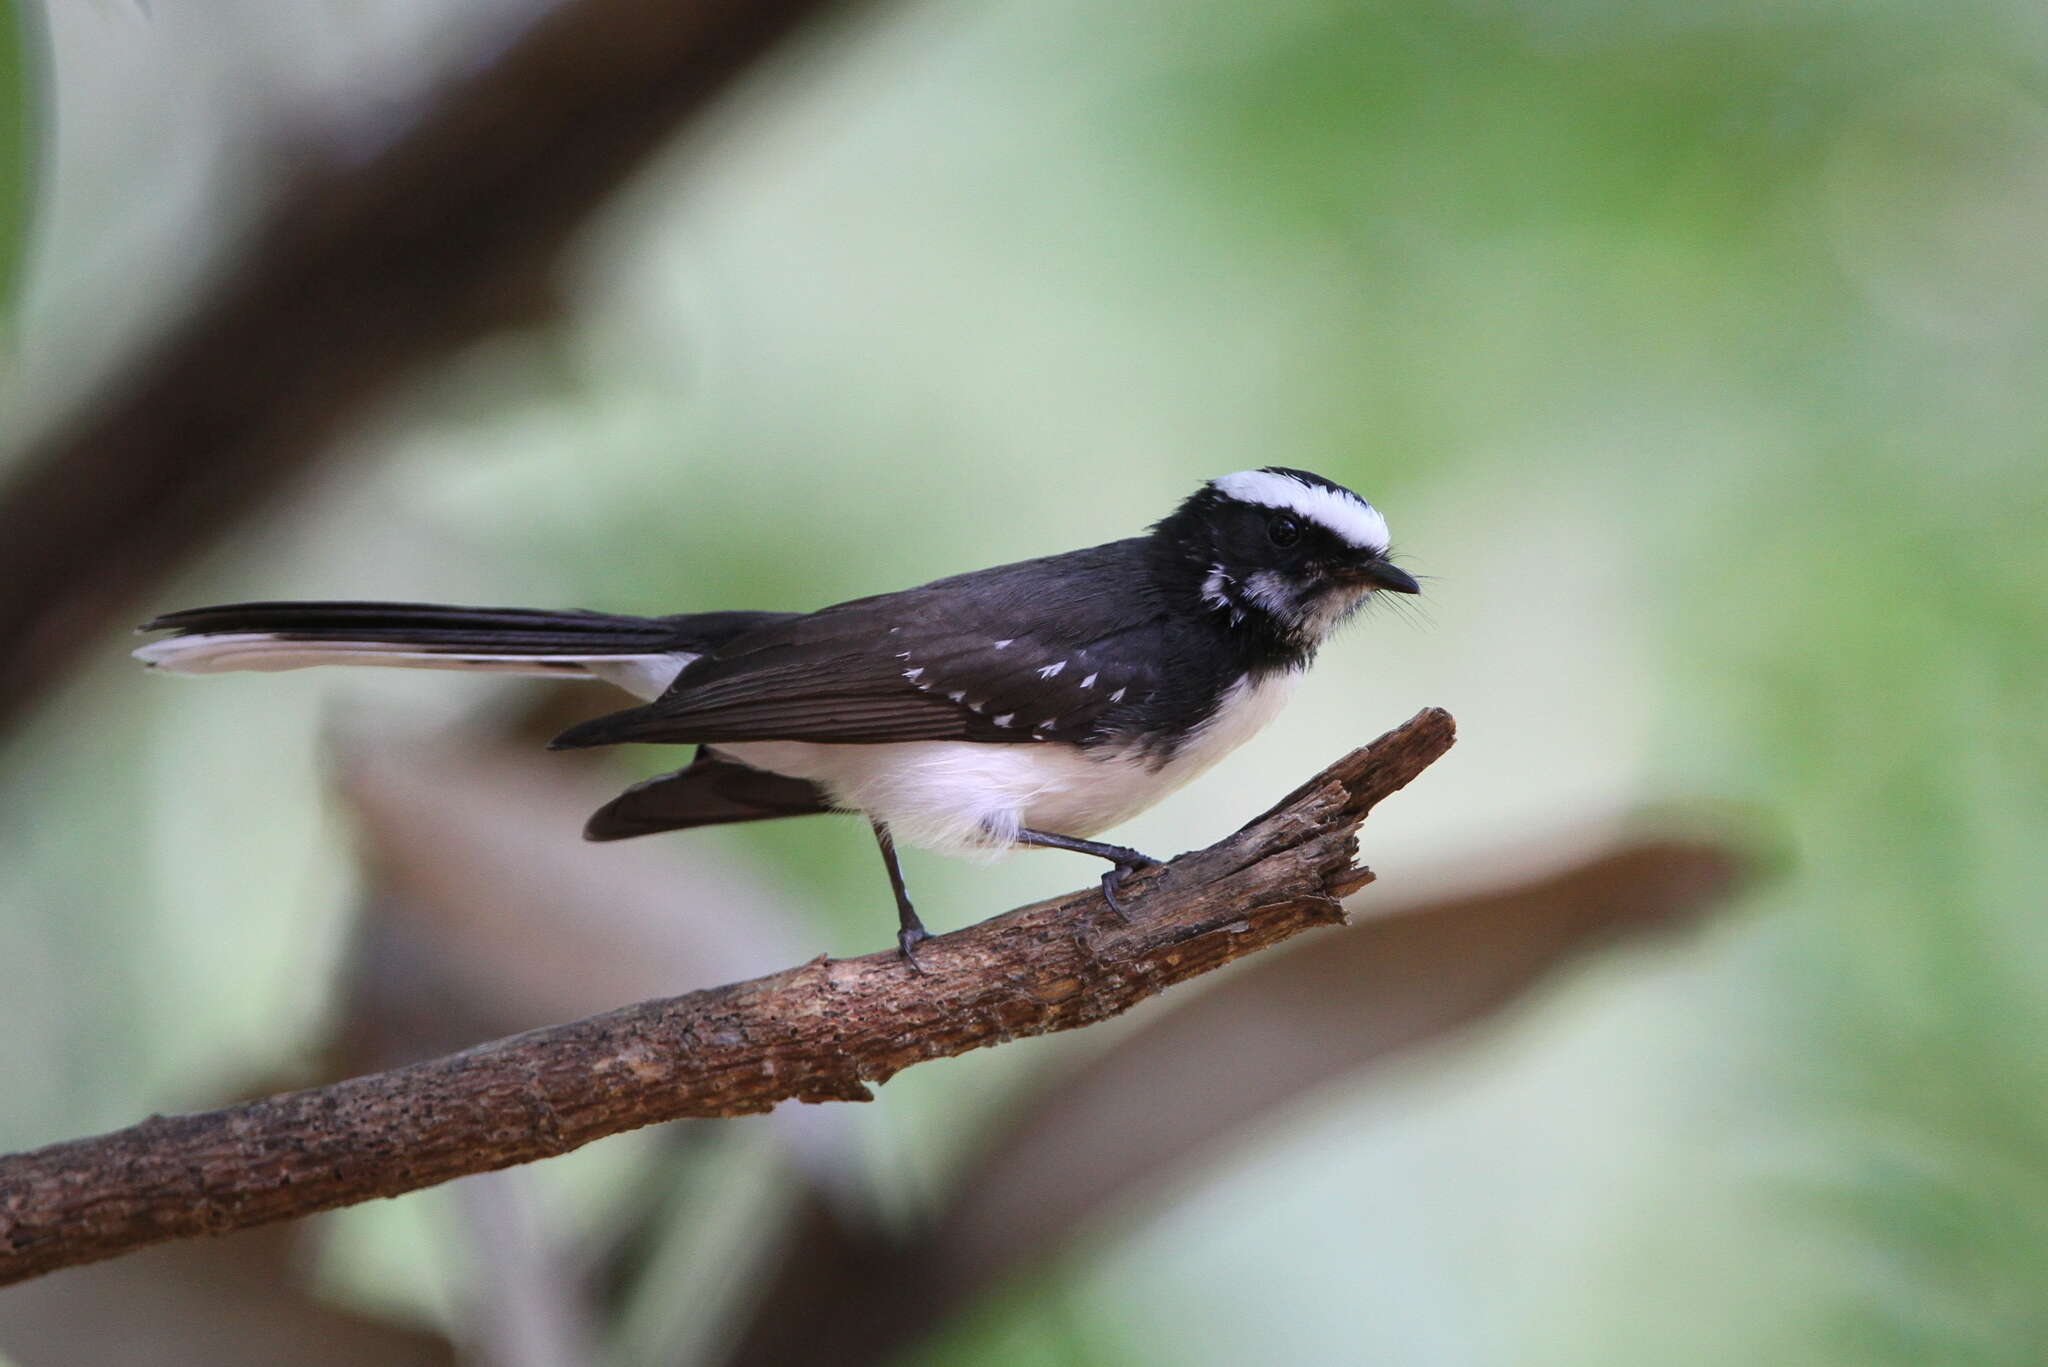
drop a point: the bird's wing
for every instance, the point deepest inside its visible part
(1022, 653)
(712, 791)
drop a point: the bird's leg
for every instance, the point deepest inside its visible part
(912, 930)
(1123, 861)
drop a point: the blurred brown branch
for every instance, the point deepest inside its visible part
(1103, 1136)
(361, 276)
(819, 1032)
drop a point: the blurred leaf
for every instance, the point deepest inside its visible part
(237, 1301)
(18, 105)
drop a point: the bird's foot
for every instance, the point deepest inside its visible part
(1123, 861)
(1127, 863)
(907, 941)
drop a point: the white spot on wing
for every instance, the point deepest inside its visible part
(972, 797)
(913, 674)
(1117, 696)
(1005, 645)
(961, 696)
(1049, 670)
(1336, 510)
(1006, 719)
(1089, 682)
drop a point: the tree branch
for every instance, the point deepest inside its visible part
(1100, 1140)
(819, 1032)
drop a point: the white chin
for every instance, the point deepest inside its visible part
(1329, 610)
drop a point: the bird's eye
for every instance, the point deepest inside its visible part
(1283, 530)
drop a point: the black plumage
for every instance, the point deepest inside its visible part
(447, 629)
(713, 791)
(1109, 675)
(1083, 648)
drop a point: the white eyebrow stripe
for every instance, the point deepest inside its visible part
(1347, 515)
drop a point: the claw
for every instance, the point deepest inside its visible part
(1123, 862)
(1111, 881)
(907, 941)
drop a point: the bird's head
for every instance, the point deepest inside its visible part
(1282, 550)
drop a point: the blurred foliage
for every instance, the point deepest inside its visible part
(18, 148)
(1694, 348)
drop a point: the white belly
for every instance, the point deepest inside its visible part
(962, 796)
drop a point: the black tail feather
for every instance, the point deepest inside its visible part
(427, 624)
(711, 792)
(435, 626)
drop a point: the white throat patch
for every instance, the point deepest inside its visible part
(1336, 510)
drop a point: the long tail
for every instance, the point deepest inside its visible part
(639, 654)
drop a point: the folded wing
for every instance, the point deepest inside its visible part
(1042, 651)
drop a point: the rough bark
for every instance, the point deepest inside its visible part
(820, 1032)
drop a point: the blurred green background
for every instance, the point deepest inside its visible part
(1696, 352)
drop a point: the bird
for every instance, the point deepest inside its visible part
(1029, 705)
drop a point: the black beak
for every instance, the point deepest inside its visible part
(1382, 575)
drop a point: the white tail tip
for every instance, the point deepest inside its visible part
(644, 676)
